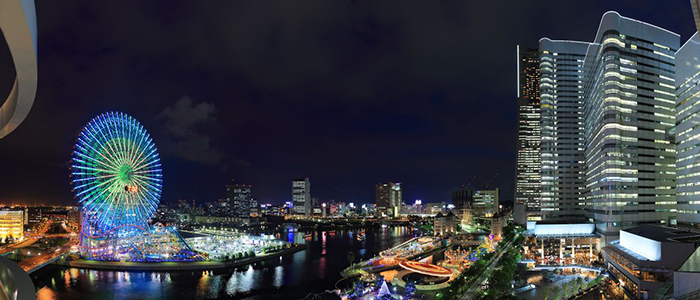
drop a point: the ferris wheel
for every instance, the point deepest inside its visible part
(116, 174)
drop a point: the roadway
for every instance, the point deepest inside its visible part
(32, 238)
(474, 287)
(32, 264)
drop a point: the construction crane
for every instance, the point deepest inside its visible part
(472, 181)
(486, 185)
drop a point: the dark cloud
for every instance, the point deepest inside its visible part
(185, 139)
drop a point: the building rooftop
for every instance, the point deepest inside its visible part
(662, 234)
(692, 264)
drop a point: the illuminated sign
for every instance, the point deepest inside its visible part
(564, 229)
(648, 248)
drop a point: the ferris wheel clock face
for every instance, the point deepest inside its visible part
(116, 172)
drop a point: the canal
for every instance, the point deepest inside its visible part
(313, 270)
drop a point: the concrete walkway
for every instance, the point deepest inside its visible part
(176, 266)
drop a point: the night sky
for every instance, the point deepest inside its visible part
(348, 93)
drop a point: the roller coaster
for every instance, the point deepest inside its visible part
(136, 243)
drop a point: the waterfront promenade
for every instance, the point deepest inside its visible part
(177, 266)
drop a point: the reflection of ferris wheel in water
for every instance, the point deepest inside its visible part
(116, 174)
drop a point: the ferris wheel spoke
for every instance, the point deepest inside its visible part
(123, 137)
(104, 144)
(89, 149)
(142, 158)
(95, 161)
(104, 141)
(153, 161)
(114, 139)
(150, 185)
(135, 142)
(135, 159)
(94, 186)
(100, 143)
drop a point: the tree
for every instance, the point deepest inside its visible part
(410, 289)
(556, 292)
(358, 288)
(385, 297)
(380, 280)
(567, 288)
(351, 257)
(579, 283)
(546, 293)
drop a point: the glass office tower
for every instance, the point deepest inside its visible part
(527, 173)
(688, 132)
(561, 95)
(629, 110)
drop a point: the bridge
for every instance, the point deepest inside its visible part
(33, 238)
(37, 262)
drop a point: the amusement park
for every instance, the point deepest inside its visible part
(117, 179)
(421, 268)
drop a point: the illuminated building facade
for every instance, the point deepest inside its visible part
(560, 243)
(301, 196)
(561, 95)
(687, 131)
(497, 223)
(645, 258)
(629, 94)
(485, 203)
(444, 224)
(527, 173)
(11, 224)
(240, 199)
(388, 198)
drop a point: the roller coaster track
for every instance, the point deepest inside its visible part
(83, 234)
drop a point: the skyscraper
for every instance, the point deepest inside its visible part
(388, 197)
(301, 196)
(240, 200)
(527, 174)
(629, 93)
(687, 131)
(561, 95)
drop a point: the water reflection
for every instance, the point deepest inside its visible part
(291, 277)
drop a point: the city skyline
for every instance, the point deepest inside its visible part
(538, 150)
(431, 153)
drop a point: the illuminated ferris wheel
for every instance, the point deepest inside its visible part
(116, 174)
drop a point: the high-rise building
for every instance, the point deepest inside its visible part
(485, 203)
(240, 200)
(629, 93)
(462, 198)
(388, 197)
(687, 132)
(562, 139)
(527, 173)
(11, 224)
(301, 196)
